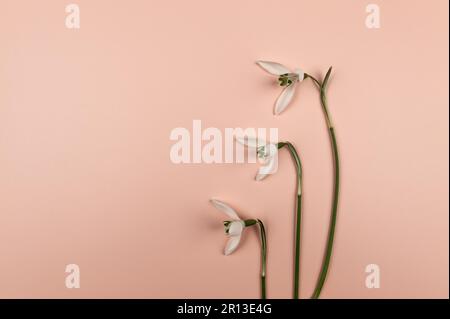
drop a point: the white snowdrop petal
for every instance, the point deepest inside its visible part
(249, 141)
(284, 99)
(232, 244)
(268, 169)
(236, 228)
(300, 73)
(225, 208)
(273, 67)
(260, 177)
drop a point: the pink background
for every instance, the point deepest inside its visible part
(85, 174)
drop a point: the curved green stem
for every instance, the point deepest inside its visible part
(263, 238)
(334, 147)
(298, 216)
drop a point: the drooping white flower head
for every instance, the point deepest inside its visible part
(233, 228)
(286, 78)
(267, 152)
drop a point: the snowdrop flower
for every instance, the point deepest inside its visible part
(234, 229)
(269, 152)
(266, 152)
(286, 78)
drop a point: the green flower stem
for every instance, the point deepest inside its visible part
(329, 248)
(262, 232)
(298, 217)
(263, 238)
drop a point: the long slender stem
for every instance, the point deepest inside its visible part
(298, 216)
(263, 239)
(331, 231)
(262, 232)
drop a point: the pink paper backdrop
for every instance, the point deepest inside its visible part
(85, 174)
